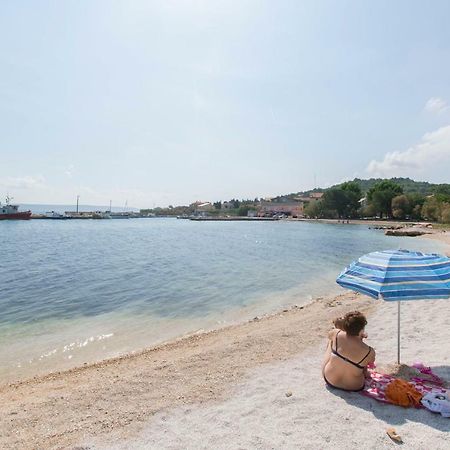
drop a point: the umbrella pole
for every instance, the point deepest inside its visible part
(398, 332)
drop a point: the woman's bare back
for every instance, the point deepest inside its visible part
(345, 360)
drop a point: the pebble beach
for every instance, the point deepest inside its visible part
(256, 384)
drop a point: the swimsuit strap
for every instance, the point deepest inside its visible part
(335, 352)
(367, 354)
(335, 342)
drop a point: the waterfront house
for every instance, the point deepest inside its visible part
(202, 208)
(293, 208)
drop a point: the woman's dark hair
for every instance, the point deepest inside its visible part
(354, 322)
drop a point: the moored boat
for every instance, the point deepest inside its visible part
(55, 215)
(101, 215)
(11, 212)
(119, 215)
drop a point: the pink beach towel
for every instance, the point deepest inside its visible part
(376, 385)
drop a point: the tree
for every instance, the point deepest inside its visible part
(380, 195)
(431, 209)
(243, 211)
(368, 211)
(351, 186)
(416, 212)
(400, 207)
(314, 210)
(336, 199)
(445, 213)
(416, 202)
(353, 194)
(442, 192)
(343, 200)
(217, 205)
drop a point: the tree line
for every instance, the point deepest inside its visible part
(235, 208)
(385, 199)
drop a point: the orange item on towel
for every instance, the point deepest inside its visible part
(400, 392)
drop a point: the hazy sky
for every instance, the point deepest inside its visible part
(168, 102)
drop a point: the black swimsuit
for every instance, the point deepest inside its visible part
(358, 365)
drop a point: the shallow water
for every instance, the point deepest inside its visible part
(78, 291)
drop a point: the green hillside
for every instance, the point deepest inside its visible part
(409, 187)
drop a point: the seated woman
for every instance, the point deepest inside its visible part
(347, 356)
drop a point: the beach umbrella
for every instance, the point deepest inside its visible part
(397, 275)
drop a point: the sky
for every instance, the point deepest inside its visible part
(159, 103)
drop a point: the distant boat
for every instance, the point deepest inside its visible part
(119, 215)
(11, 212)
(55, 215)
(101, 215)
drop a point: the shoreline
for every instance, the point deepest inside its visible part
(62, 408)
(381, 222)
(443, 237)
(184, 339)
(123, 394)
(287, 300)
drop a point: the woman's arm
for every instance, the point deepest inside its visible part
(327, 356)
(370, 360)
(371, 357)
(331, 334)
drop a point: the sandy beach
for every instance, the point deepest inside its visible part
(253, 385)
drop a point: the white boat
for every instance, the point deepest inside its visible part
(101, 215)
(55, 215)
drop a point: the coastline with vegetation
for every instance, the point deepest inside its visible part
(397, 199)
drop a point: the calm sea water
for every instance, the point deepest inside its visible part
(78, 291)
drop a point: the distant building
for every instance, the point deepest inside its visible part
(312, 197)
(316, 195)
(202, 208)
(294, 209)
(206, 206)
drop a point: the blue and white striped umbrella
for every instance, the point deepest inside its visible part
(399, 275)
(395, 275)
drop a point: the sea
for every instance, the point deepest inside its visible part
(77, 291)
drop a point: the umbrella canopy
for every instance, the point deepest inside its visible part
(395, 275)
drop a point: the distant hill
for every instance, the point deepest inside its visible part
(409, 187)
